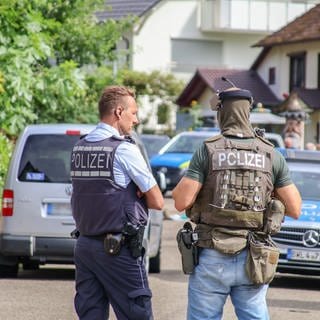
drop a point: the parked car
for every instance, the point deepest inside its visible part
(36, 217)
(153, 142)
(299, 240)
(173, 158)
(276, 139)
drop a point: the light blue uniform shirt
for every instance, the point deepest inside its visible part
(129, 163)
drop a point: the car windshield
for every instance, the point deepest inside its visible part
(275, 142)
(186, 144)
(153, 143)
(46, 158)
(308, 184)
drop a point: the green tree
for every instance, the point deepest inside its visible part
(154, 84)
(43, 45)
(52, 64)
(1, 83)
(163, 87)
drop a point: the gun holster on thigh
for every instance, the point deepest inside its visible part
(186, 239)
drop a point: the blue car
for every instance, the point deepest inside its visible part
(153, 142)
(299, 240)
(173, 159)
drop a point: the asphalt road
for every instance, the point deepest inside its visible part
(47, 294)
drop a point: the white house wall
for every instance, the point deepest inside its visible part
(312, 65)
(178, 20)
(205, 98)
(238, 50)
(152, 40)
(278, 58)
(310, 129)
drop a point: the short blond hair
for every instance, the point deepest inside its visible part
(111, 97)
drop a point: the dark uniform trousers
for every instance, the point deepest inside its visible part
(102, 279)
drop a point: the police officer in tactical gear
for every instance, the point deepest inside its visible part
(112, 191)
(229, 184)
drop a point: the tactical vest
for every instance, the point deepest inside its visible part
(99, 204)
(238, 185)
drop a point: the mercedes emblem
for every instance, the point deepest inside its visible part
(311, 238)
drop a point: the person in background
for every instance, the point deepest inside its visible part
(311, 146)
(225, 191)
(288, 143)
(292, 142)
(112, 191)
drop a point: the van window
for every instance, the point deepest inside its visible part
(46, 158)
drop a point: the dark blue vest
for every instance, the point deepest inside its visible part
(99, 205)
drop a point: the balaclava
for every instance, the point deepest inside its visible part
(233, 113)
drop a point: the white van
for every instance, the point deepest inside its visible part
(36, 217)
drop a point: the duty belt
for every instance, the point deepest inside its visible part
(131, 236)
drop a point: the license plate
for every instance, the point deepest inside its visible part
(303, 255)
(58, 209)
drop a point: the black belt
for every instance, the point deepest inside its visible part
(100, 237)
(97, 237)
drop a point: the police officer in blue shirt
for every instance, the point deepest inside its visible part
(112, 191)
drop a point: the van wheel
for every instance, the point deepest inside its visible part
(30, 265)
(9, 271)
(154, 264)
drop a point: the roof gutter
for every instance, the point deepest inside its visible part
(145, 15)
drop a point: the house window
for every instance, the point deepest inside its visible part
(272, 75)
(163, 113)
(297, 70)
(188, 55)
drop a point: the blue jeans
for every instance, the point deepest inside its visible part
(217, 276)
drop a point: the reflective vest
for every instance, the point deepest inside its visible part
(238, 185)
(99, 204)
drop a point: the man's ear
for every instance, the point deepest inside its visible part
(118, 112)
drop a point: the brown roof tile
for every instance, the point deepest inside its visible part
(117, 9)
(311, 97)
(304, 28)
(245, 79)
